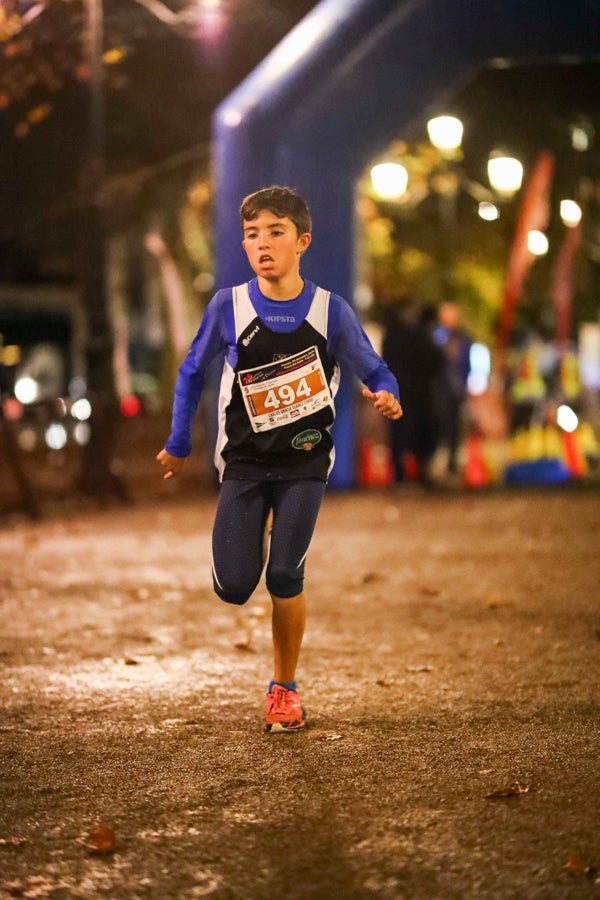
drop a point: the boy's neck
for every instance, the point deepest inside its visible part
(282, 288)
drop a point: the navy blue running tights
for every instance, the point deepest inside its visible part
(238, 534)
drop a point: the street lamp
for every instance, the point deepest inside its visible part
(389, 180)
(505, 174)
(570, 213)
(445, 133)
(488, 211)
(537, 243)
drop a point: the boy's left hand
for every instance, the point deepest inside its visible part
(385, 402)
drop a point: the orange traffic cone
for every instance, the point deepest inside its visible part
(375, 464)
(475, 473)
(574, 458)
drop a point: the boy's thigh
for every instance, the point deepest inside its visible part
(296, 507)
(240, 520)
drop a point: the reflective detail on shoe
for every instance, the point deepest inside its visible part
(284, 711)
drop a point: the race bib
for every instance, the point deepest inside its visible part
(283, 391)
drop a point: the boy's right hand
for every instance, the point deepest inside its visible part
(173, 464)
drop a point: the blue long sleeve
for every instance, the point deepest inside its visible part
(209, 342)
(351, 347)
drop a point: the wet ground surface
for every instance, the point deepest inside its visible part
(452, 653)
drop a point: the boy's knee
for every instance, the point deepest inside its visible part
(237, 594)
(285, 582)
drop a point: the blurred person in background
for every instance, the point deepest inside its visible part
(418, 363)
(455, 342)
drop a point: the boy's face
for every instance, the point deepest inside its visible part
(273, 245)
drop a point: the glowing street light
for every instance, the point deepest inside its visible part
(505, 174)
(27, 390)
(488, 211)
(389, 180)
(445, 133)
(570, 213)
(537, 243)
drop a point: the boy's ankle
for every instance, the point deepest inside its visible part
(288, 685)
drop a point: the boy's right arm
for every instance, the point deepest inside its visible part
(173, 464)
(209, 341)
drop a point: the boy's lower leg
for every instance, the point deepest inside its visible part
(289, 619)
(284, 706)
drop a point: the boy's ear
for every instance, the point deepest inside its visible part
(303, 242)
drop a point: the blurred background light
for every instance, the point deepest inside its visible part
(81, 409)
(537, 243)
(445, 132)
(77, 387)
(26, 390)
(27, 439)
(566, 418)
(389, 180)
(570, 213)
(81, 433)
(488, 211)
(505, 174)
(130, 405)
(12, 409)
(480, 364)
(56, 436)
(580, 137)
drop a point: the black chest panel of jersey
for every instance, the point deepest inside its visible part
(278, 419)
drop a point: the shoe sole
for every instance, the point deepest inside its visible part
(282, 728)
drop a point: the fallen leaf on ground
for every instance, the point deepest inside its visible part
(330, 736)
(385, 682)
(513, 790)
(419, 669)
(370, 577)
(244, 645)
(496, 600)
(576, 866)
(101, 840)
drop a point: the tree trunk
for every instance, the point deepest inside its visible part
(96, 476)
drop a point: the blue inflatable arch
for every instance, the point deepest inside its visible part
(351, 77)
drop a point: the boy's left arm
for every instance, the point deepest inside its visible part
(351, 345)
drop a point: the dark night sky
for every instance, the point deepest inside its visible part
(159, 99)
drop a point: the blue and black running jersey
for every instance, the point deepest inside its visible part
(276, 406)
(280, 377)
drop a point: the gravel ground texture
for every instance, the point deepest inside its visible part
(450, 671)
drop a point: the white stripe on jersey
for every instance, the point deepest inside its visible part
(227, 379)
(243, 311)
(318, 313)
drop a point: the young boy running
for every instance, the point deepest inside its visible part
(284, 341)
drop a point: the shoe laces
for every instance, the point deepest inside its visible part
(280, 699)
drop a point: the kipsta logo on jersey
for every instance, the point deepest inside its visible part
(307, 439)
(289, 319)
(249, 337)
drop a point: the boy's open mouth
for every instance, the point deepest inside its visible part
(265, 258)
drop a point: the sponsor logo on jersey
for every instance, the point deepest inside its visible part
(307, 439)
(280, 318)
(249, 337)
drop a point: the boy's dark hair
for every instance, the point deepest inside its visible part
(281, 201)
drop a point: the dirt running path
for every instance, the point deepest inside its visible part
(452, 651)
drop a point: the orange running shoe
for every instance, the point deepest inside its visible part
(284, 710)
